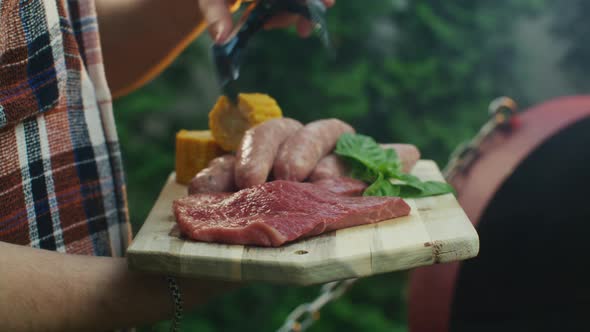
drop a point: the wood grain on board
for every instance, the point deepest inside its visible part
(436, 231)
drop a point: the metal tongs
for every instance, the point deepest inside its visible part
(227, 56)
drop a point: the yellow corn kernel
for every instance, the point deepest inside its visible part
(228, 122)
(194, 150)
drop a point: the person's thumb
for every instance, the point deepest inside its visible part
(218, 17)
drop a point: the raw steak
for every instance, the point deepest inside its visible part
(343, 185)
(277, 212)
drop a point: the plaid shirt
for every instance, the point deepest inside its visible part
(61, 178)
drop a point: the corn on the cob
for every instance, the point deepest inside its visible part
(228, 122)
(194, 150)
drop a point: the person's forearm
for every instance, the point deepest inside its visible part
(46, 291)
(139, 38)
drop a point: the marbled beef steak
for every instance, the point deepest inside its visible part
(343, 185)
(277, 212)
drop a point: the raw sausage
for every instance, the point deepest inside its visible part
(258, 149)
(217, 177)
(407, 153)
(331, 166)
(301, 152)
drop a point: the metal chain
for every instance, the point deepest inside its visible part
(306, 314)
(502, 110)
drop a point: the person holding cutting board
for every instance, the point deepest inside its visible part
(63, 214)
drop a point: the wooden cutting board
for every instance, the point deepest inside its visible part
(436, 231)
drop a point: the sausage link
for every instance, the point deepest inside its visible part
(331, 166)
(217, 177)
(258, 149)
(301, 152)
(407, 153)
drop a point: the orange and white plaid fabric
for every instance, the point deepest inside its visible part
(62, 184)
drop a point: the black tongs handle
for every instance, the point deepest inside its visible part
(265, 9)
(227, 56)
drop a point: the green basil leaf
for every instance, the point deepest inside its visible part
(370, 163)
(391, 164)
(363, 149)
(432, 188)
(409, 192)
(410, 180)
(382, 187)
(360, 172)
(429, 188)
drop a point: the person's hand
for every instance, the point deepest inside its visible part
(217, 14)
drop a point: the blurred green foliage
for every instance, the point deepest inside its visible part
(401, 71)
(573, 27)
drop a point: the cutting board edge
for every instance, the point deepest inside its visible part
(291, 273)
(461, 248)
(142, 259)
